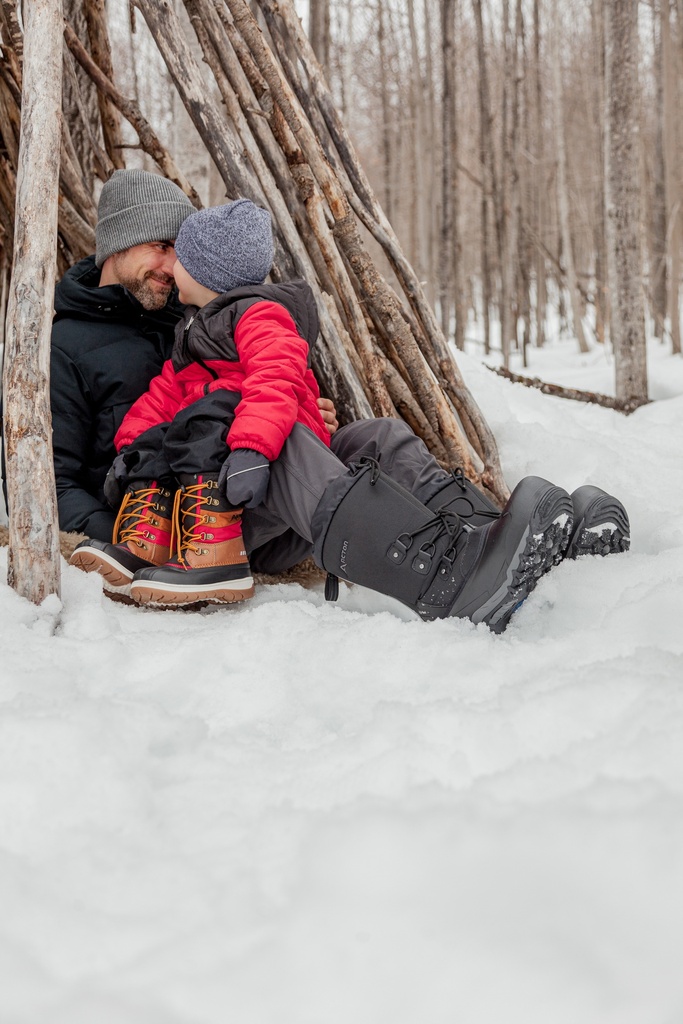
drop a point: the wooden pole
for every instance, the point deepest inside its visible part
(33, 567)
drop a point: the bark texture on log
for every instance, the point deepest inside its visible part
(33, 566)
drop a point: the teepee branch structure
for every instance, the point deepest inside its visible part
(258, 99)
(296, 116)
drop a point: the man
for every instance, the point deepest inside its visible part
(410, 531)
(113, 330)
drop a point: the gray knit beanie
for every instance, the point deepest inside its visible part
(137, 207)
(227, 246)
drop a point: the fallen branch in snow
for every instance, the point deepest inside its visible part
(561, 392)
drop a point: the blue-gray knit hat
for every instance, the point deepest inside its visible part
(137, 207)
(225, 247)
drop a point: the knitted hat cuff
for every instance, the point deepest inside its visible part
(137, 207)
(138, 225)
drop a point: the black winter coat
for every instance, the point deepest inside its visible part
(106, 348)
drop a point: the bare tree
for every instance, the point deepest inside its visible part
(488, 171)
(451, 291)
(673, 181)
(538, 181)
(658, 232)
(622, 191)
(562, 188)
(319, 30)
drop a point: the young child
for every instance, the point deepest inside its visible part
(196, 448)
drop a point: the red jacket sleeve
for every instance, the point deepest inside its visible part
(274, 358)
(158, 405)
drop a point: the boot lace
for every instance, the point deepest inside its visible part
(443, 524)
(460, 479)
(189, 516)
(363, 463)
(132, 522)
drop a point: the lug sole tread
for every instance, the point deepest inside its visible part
(543, 550)
(147, 595)
(603, 540)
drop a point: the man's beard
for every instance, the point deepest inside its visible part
(147, 295)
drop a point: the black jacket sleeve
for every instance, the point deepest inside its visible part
(79, 510)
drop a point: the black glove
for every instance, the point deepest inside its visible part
(116, 480)
(244, 478)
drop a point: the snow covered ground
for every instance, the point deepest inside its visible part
(301, 813)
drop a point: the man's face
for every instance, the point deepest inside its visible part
(146, 271)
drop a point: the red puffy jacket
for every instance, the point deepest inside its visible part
(241, 342)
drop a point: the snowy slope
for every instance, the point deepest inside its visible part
(301, 813)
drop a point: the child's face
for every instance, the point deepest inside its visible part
(190, 292)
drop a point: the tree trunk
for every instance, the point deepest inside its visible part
(509, 218)
(448, 163)
(658, 246)
(539, 182)
(33, 567)
(562, 187)
(622, 192)
(486, 159)
(506, 205)
(419, 216)
(387, 147)
(600, 290)
(430, 156)
(672, 144)
(319, 31)
(524, 87)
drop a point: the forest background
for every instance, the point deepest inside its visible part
(525, 154)
(481, 126)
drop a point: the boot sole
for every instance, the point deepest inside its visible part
(538, 553)
(542, 545)
(601, 529)
(171, 596)
(116, 580)
(604, 540)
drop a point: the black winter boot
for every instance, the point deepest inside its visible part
(141, 538)
(601, 525)
(369, 530)
(460, 495)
